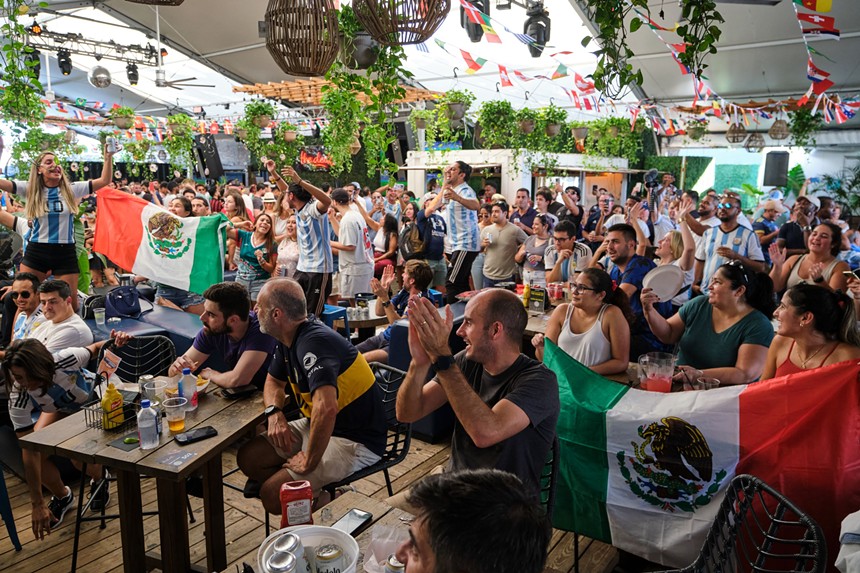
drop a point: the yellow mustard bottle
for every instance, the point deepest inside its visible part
(112, 416)
(527, 293)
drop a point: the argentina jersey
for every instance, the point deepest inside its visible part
(741, 240)
(56, 227)
(462, 222)
(313, 230)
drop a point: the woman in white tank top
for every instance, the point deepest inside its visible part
(594, 328)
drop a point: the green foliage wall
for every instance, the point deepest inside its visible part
(734, 176)
(696, 166)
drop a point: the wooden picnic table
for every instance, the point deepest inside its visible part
(170, 464)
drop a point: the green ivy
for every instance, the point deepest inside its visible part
(179, 142)
(696, 167)
(700, 32)
(21, 100)
(803, 124)
(35, 141)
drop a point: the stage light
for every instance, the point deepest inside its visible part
(132, 73)
(64, 59)
(537, 26)
(99, 77)
(35, 29)
(163, 52)
(35, 56)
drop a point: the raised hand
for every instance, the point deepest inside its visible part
(387, 277)
(777, 255)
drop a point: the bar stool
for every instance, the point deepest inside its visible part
(332, 313)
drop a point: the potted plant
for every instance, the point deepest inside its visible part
(803, 124)
(526, 119)
(552, 117)
(355, 146)
(290, 132)
(696, 128)
(358, 50)
(422, 118)
(180, 139)
(122, 117)
(260, 113)
(180, 124)
(455, 103)
(495, 119)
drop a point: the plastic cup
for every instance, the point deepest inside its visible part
(99, 315)
(655, 371)
(706, 383)
(154, 391)
(174, 411)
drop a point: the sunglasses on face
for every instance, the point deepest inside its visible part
(726, 205)
(25, 295)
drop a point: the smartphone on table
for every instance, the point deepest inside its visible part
(353, 522)
(195, 435)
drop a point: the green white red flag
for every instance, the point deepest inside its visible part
(182, 252)
(646, 471)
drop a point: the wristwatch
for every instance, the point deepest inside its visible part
(386, 303)
(443, 363)
(271, 410)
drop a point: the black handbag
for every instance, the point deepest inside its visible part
(123, 301)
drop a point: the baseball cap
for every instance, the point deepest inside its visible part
(356, 184)
(269, 197)
(812, 199)
(776, 194)
(340, 196)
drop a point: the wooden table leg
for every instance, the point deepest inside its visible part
(131, 522)
(213, 515)
(173, 526)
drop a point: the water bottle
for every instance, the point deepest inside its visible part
(147, 426)
(188, 389)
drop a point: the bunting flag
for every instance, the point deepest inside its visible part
(472, 64)
(228, 125)
(646, 472)
(814, 73)
(441, 44)
(565, 53)
(812, 50)
(97, 105)
(422, 47)
(821, 86)
(821, 31)
(586, 87)
(802, 101)
(158, 135)
(472, 13)
(823, 21)
(587, 102)
(717, 110)
(576, 101)
(503, 77)
(489, 32)
(560, 72)
(633, 117)
(522, 77)
(61, 107)
(816, 5)
(681, 65)
(78, 114)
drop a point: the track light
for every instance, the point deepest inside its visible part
(163, 52)
(64, 59)
(34, 56)
(131, 73)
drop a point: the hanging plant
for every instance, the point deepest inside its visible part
(260, 113)
(455, 103)
(35, 141)
(122, 117)
(345, 112)
(424, 119)
(700, 32)
(552, 118)
(358, 50)
(526, 118)
(696, 128)
(496, 119)
(20, 101)
(386, 90)
(180, 140)
(803, 124)
(137, 151)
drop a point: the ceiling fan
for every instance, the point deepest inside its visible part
(161, 80)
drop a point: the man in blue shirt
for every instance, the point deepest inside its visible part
(766, 228)
(429, 221)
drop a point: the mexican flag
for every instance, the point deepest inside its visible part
(646, 472)
(185, 253)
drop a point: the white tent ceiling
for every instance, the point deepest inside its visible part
(761, 56)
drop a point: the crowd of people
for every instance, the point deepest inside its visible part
(295, 247)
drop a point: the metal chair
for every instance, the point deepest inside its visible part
(757, 529)
(6, 513)
(399, 434)
(142, 355)
(548, 476)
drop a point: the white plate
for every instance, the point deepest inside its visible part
(665, 281)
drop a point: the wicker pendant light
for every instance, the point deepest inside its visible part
(779, 130)
(159, 2)
(401, 22)
(302, 35)
(755, 143)
(736, 133)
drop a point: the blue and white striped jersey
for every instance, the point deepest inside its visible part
(313, 230)
(740, 239)
(462, 222)
(57, 225)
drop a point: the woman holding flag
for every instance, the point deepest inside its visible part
(52, 205)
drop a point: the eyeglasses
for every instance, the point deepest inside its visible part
(579, 288)
(561, 238)
(726, 206)
(25, 295)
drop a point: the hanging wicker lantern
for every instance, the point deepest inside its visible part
(779, 130)
(159, 2)
(302, 35)
(400, 22)
(755, 143)
(736, 133)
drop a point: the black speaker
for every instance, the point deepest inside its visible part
(206, 152)
(776, 169)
